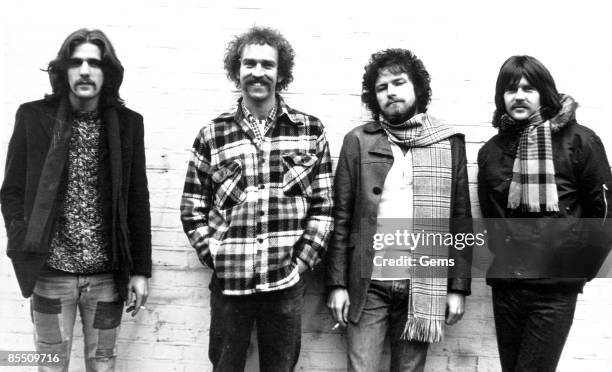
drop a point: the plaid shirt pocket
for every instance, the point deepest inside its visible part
(297, 176)
(228, 185)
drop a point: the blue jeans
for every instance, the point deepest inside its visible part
(532, 326)
(57, 295)
(385, 310)
(278, 316)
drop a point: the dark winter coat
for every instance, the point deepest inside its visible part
(35, 164)
(563, 248)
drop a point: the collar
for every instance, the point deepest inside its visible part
(86, 116)
(283, 112)
(271, 114)
(373, 127)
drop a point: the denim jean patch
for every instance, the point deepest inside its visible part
(108, 315)
(46, 305)
(46, 314)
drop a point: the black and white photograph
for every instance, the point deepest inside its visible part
(317, 186)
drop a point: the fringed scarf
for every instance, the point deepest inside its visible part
(428, 140)
(533, 187)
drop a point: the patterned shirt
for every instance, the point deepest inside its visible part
(251, 208)
(259, 127)
(80, 241)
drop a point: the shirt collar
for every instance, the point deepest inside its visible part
(283, 111)
(250, 117)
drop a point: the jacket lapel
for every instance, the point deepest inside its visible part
(381, 147)
(50, 180)
(111, 121)
(51, 113)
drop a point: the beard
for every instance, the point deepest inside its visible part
(399, 116)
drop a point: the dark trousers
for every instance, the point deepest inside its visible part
(532, 325)
(278, 316)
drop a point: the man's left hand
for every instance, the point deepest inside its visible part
(455, 303)
(138, 291)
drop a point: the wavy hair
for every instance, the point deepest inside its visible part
(396, 60)
(510, 74)
(111, 67)
(260, 36)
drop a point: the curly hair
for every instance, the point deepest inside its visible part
(260, 35)
(510, 74)
(111, 67)
(397, 60)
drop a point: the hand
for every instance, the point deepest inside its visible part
(138, 291)
(203, 258)
(455, 303)
(302, 266)
(338, 303)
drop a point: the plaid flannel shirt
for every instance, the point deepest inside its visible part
(252, 206)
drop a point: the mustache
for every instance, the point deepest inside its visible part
(519, 105)
(85, 82)
(394, 101)
(254, 80)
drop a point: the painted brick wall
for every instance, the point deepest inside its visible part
(172, 52)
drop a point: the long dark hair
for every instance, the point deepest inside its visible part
(510, 74)
(111, 67)
(397, 60)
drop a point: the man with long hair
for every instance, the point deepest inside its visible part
(404, 168)
(76, 204)
(257, 206)
(544, 183)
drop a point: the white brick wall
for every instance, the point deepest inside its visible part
(172, 53)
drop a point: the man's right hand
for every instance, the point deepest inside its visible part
(338, 303)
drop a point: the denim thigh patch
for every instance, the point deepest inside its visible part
(108, 314)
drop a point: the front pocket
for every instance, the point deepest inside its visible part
(297, 176)
(229, 185)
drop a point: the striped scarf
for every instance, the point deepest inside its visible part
(432, 170)
(533, 187)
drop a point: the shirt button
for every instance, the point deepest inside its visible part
(262, 186)
(261, 213)
(259, 240)
(377, 190)
(508, 239)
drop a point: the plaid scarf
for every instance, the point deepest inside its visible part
(533, 187)
(432, 172)
(419, 131)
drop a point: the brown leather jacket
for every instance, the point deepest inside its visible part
(365, 160)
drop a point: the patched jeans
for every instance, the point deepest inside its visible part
(278, 316)
(57, 295)
(385, 311)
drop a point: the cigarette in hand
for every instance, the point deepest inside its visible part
(335, 326)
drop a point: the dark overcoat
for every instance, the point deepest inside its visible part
(35, 168)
